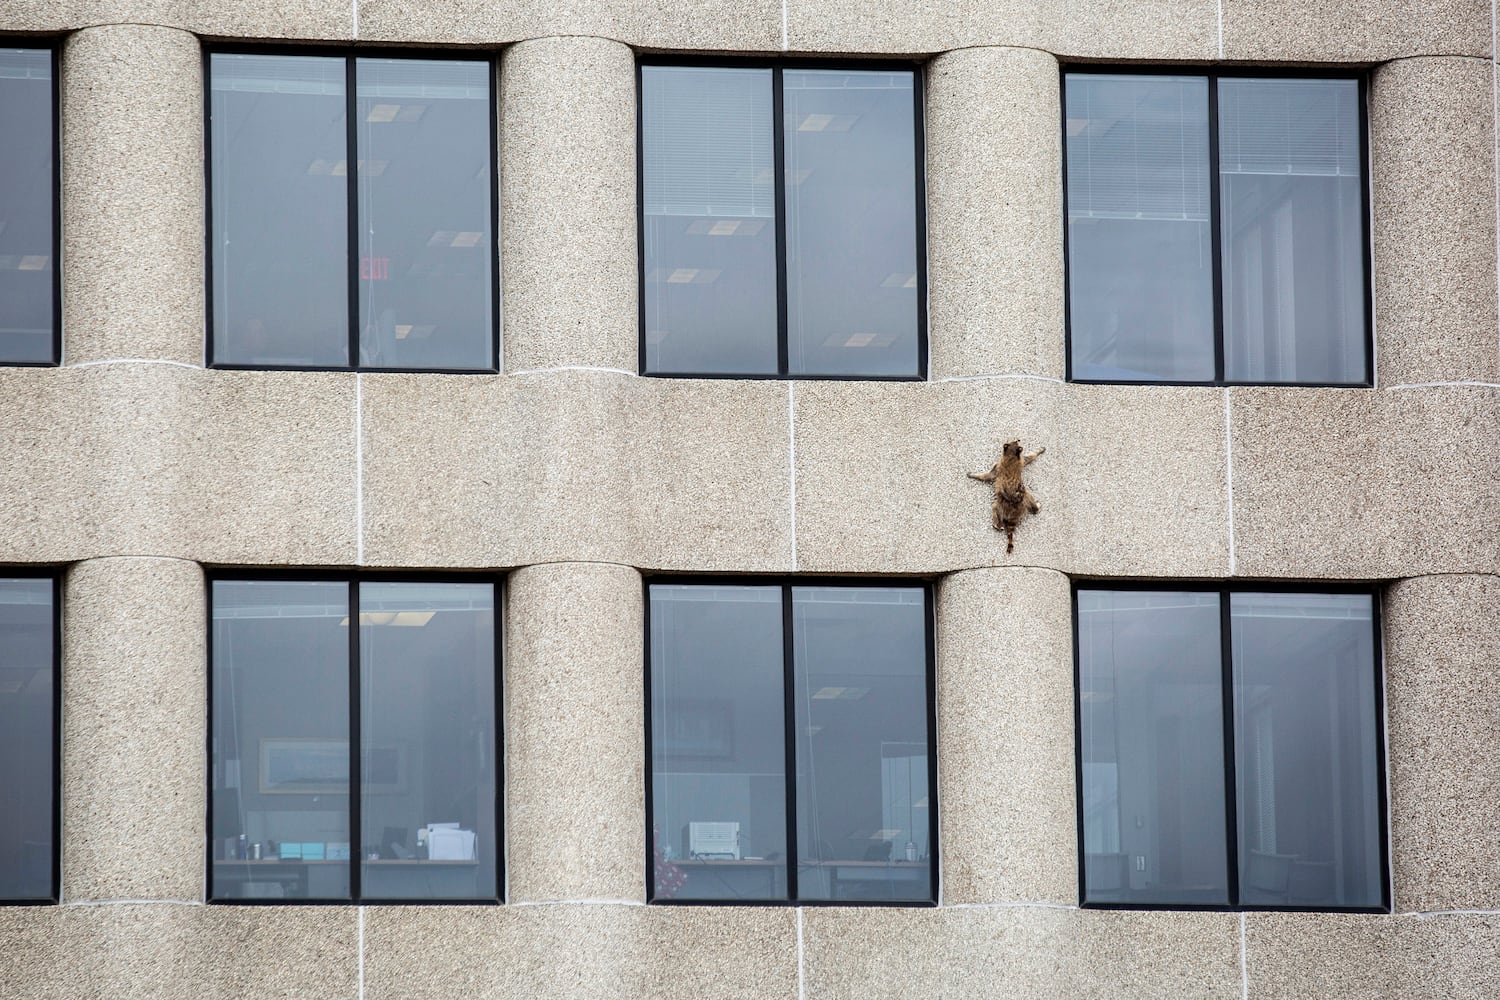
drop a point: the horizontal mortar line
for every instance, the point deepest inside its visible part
(124, 555)
(134, 361)
(556, 562)
(573, 368)
(1009, 905)
(1424, 914)
(1436, 385)
(1431, 55)
(133, 902)
(977, 47)
(577, 902)
(1016, 375)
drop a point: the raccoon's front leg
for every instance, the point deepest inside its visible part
(1028, 459)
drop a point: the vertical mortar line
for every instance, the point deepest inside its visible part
(791, 433)
(359, 470)
(361, 953)
(1221, 27)
(1244, 965)
(783, 26)
(356, 18)
(1495, 139)
(801, 977)
(1229, 474)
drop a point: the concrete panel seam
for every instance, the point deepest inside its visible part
(1010, 905)
(1229, 474)
(1244, 965)
(1445, 385)
(576, 902)
(132, 555)
(1495, 140)
(791, 431)
(355, 25)
(135, 361)
(1016, 375)
(360, 957)
(801, 977)
(570, 562)
(133, 902)
(1221, 49)
(784, 48)
(359, 471)
(1430, 914)
(573, 368)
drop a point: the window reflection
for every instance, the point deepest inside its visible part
(281, 806)
(422, 177)
(27, 739)
(860, 763)
(28, 269)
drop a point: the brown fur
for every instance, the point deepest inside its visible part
(1013, 500)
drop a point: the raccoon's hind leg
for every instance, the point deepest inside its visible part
(1031, 503)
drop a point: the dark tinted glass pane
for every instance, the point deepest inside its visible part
(1151, 713)
(710, 220)
(26, 738)
(280, 736)
(851, 223)
(863, 800)
(26, 200)
(427, 729)
(1140, 253)
(280, 209)
(426, 241)
(1306, 750)
(718, 749)
(1293, 230)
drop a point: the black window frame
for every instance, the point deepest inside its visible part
(53, 47)
(350, 56)
(353, 580)
(788, 689)
(1212, 74)
(1226, 667)
(777, 66)
(55, 758)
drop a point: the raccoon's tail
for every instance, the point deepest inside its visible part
(1010, 539)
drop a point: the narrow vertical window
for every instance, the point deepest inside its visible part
(1216, 229)
(28, 208)
(295, 815)
(28, 739)
(844, 810)
(352, 213)
(781, 222)
(1230, 749)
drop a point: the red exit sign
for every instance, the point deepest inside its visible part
(375, 268)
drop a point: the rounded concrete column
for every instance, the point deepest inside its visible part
(1432, 166)
(994, 213)
(135, 722)
(132, 195)
(1005, 737)
(568, 205)
(574, 733)
(1442, 690)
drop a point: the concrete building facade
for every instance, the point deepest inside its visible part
(131, 468)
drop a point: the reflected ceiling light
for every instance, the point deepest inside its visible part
(885, 834)
(396, 113)
(725, 227)
(340, 168)
(692, 276)
(920, 803)
(399, 619)
(826, 123)
(857, 340)
(900, 279)
(823, 694)
(33, 262)
(1077, 125)
(654, 337)
(467, 239)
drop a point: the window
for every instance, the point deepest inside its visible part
(781, 225)
(294, 686)
(1229, 749)
(353, 213)
(30, 295)
(1216, 229)
(29, 710)
(844, 810)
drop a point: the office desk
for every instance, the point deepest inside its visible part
(290, 878)
(727, 879)
(875, 879)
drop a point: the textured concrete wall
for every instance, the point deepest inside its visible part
(575, 703)
(135, 466)
(135, 729)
